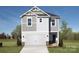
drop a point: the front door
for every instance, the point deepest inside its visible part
(53, 38)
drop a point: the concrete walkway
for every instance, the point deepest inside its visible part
(34, 49)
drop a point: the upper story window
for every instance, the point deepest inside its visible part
(29, 22)
(40, 19)
(53, 22)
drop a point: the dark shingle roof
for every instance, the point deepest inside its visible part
(53, 15)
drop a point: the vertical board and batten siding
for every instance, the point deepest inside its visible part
(25, 26)
(43, 28)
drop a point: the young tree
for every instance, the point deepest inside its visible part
(65, 30)
(17, 34)
(64, 33)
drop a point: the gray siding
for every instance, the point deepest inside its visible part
(54, 28)
(25, 26)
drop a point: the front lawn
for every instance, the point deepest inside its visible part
(10, 46)
(70, 46)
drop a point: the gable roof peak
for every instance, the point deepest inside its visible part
(37, 11)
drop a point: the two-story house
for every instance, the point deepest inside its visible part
(39, 27)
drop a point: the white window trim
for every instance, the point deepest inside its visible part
(31, 21)
(55, 23)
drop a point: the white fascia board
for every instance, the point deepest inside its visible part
(26, 12)
(42, 16)
(32, 8)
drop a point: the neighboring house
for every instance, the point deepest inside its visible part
(39, 27)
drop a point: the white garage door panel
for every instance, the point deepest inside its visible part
(35, 39)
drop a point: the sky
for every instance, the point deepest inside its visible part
(10, 16)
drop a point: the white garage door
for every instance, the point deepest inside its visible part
(35, 38)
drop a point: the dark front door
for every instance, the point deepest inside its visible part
(53, 38)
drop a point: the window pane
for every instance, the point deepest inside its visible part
(40, 20)
(29, 21)
(53, 22)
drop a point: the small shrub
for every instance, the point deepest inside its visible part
(0, 44)
(60, 42)
(19, 42)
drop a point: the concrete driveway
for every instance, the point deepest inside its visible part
(34, 49)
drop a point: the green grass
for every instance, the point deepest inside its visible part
(70, 46)
(9, 46)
